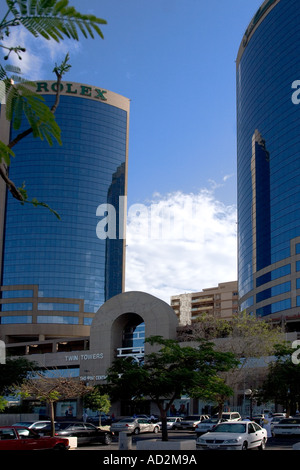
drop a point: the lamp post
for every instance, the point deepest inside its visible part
(250, 393)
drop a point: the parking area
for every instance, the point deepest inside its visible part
(278, 443)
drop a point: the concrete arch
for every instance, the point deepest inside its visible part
(109, 322)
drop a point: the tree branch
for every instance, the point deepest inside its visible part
(24, 134)
(10, 184)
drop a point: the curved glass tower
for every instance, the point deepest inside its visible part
(268, 160)
(57, 273)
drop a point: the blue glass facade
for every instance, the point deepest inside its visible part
(65, 258)
(268, 161)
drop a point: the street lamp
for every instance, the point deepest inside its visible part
(250, 394)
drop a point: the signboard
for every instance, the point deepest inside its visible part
(72, 89)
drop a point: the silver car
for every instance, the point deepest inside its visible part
(172, 422)
(207, 425)
(191, 421)
(134, 426)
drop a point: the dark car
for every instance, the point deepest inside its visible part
(86, 433)
(21, 438)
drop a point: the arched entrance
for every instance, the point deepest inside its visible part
(122, 316)
(133, 340)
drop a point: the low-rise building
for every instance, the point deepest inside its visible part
(220, 301)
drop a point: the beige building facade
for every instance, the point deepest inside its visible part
(220, 301)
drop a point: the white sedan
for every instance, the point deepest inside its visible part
(238, 435)
(287, 426)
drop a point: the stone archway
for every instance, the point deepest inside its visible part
(109, 322)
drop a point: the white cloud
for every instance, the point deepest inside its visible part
(41, 55)
(180, 243)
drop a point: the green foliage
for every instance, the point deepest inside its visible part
(282, 383)
(6, 153)
(51, 19)
(22, 101)
(96, 401)
(168, 373)
(13, 372)
(3, 404)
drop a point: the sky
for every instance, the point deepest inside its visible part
(175, 61)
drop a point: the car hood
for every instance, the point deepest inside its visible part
(222, 435)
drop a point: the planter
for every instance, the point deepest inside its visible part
(154, 445)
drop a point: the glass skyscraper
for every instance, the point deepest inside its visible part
(57, 273)
(268, 163)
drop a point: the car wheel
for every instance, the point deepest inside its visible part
(107, 439)
(136, 431)
(245, 445)
(155, 430)
(59, 447)
(263, 444)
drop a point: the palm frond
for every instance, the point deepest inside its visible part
(22, 102)
(5, 153)
(54, 19)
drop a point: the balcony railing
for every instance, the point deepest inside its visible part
(137, 353)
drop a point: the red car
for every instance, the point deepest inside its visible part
(21, 438)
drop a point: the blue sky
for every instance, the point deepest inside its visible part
(175, 61)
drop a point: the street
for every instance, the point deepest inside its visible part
(279, 443)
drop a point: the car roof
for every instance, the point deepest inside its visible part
(13, 427)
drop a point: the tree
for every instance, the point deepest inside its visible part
(48, 19)
(96, 401)
(245, 336)
(167, 373)
(282, 384)
(217, 391)
(3, 404)
(51, 390)
(13, 372)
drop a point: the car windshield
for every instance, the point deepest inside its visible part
(290, 421)
(24, 423)
(128, 420)
(63, 425)
(226, 415)
(231, 427)
(210, 420)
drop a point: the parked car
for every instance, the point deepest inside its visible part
(229, 416)
(105, 420)
(287, 427)
(21, 438)
(274, 421)
(134, 426)
(86, 433)
(172, 422)
(207, 425)
(191, 421)
(41, 427)
(237, 435)
(32, 424)
(278, 415)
